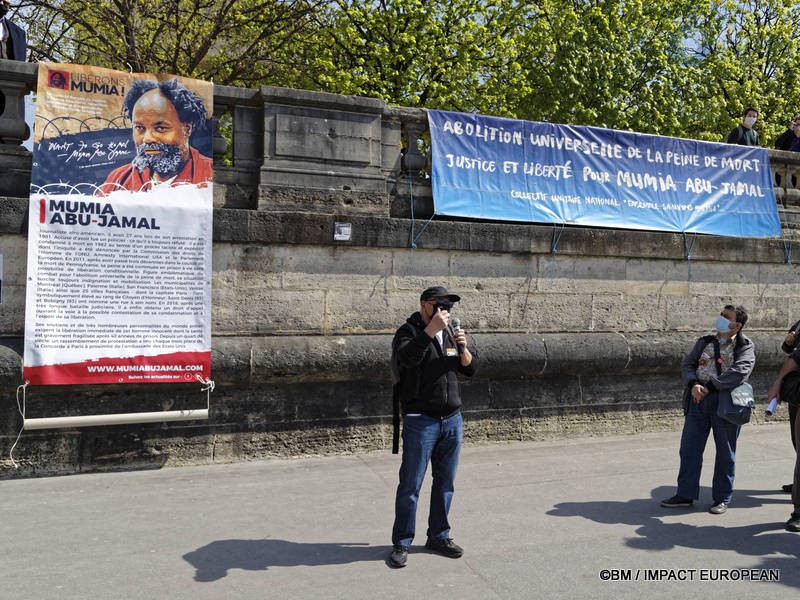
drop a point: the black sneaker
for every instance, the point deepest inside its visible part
(677, 502)
(398, 557)
(793, 524)
(445, 546)
(787, 488)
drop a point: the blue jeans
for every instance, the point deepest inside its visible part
(700, 420)
(438, 441)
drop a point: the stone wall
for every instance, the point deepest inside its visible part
(580, 331)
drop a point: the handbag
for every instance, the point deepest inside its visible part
(734, 405)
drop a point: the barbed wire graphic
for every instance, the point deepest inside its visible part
(59, 126)
(63, 188)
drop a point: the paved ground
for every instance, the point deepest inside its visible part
(537, 520)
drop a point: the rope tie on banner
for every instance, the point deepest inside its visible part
(557, 236)
(208, 388)
(787, 250)
(21, 409)
(413, 243)
(688, 248)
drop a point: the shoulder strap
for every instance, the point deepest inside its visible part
(396, 395)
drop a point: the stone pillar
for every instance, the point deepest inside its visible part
(237, 168)
(316, 140)
(414, 195)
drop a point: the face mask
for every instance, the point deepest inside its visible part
(749, 121)
(722, 324)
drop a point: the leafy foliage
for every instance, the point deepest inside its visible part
(237, 42)
(672, 67)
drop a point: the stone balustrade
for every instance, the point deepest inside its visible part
(273, 140)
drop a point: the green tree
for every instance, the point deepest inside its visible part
(236, 42)
(611, 63)
(460, 55)
(683, 68)
(748, 53)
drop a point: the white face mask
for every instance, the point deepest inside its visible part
(750, 121)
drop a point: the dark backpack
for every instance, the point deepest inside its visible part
(396, 372)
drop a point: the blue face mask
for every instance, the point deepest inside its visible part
(722, 324)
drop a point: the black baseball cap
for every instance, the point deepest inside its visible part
(438, 291)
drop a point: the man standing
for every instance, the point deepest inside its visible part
(791, 346)
(164, 116)
(717, 362)
(744, 134)
(790, 139)
(430, 352)
(791, 364)
(13, 39)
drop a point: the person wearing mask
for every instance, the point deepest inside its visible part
(790, 139)
(718, 361)
(744, 134)
(431, 352)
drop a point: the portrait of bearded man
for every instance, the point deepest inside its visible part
(163, 116)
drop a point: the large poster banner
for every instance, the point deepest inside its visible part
(120, 229)
(505, 169)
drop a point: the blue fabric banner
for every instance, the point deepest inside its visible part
(510, 170)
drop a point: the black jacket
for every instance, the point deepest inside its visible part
(785, 140)
(17, 42)
(784, 346)
(428, 383)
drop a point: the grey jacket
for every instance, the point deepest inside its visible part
(744, 359)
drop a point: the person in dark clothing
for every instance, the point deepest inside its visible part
(13, 39)
(744, 134)
(791, 346)
(775, 391)
(431, 352)
(13, 45)
(790, 139)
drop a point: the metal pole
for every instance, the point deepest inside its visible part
(116, 419)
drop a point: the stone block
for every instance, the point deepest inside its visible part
(323, 141)
(724, 279)
(416, 270)
(493, 273)
(647, 277)
(576, 354)
(580, 275)
(511, 356)
(550, 312)
(778, 280)
(337, 268)
(622, 312)
(658, 351)
(364, 310)
(268, 310)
